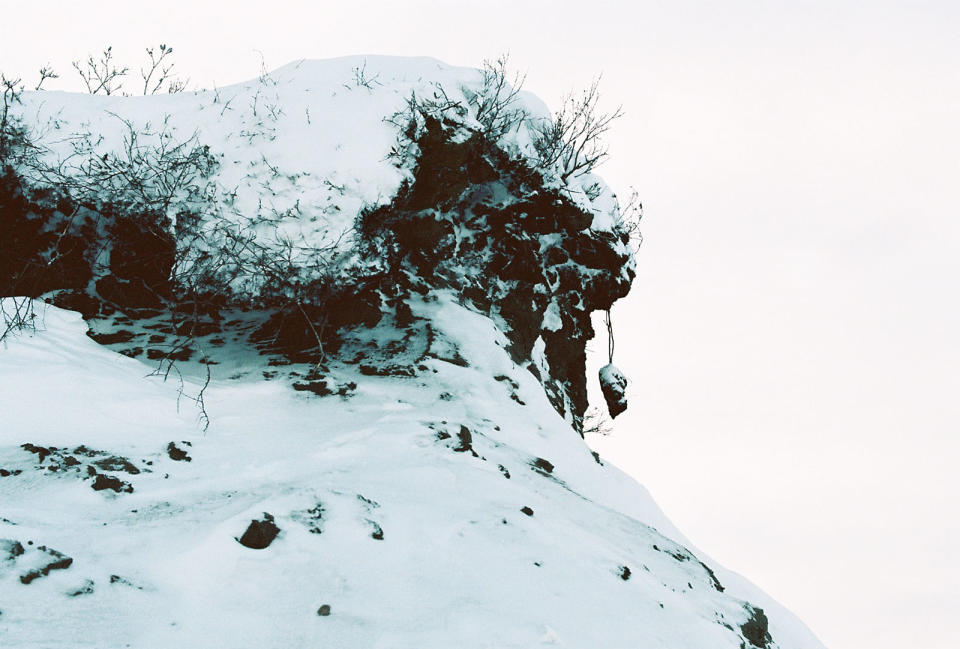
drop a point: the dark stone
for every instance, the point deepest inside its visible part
(624, 573)
(77, 300)
(115, 463)
(176, 454)
(466, 440)
(41, 452)
(324, 610)
(319, 388)
(542, 466)
(756, 629)
(260, 533)
(526, 510)
(103, 482)
(120, 336)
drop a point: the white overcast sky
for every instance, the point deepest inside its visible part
(792, 336)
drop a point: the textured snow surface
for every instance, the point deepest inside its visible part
(407, 529)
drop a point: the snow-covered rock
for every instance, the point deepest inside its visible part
(422, 484)
(613, 385)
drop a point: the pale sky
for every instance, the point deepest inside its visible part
(792, 336)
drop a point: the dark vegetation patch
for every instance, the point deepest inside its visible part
(260, 533)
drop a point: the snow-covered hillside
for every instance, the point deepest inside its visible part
(371, 444)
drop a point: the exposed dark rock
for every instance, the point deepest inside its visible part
(103, 482)
(526, 510)
(625, 573)
(86, 589)
(260, 533)
(119, 336)
(713, 578)
(613, 385)
(116, 463)
(466, 440)
(324, 610)
(542, 466)
(756, 629)
(176, 454)
(41, 452)
(60, 562)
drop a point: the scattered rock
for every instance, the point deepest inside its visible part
(526, 510)
(103, 482)
(176, 454)
(86, 589)
(260, 533)
(60, 562)
(324, 610)
(624, 573)
(542, 466)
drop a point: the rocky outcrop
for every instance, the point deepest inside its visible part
(488, 226)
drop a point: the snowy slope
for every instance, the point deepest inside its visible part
(425, 477)
(459, 563)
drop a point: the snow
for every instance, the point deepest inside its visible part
(451, 508)
(459, 564)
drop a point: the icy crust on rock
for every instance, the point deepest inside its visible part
(296, 154)
(406, 520)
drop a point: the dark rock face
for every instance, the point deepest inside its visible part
(756, 628)
(34, 257)
(529, 250)
(260, 533)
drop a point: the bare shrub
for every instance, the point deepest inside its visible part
(571, 142)
(629, 214)
(18, 314)
(495, 101)
(159, 71)
(101, 75)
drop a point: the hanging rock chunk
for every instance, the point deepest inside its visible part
(613, 384)
(260, 534)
